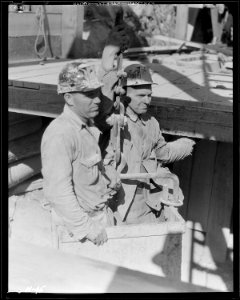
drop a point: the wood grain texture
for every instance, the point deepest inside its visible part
(14, 118)
(24, 128)
(23, 169)
(27, 146)
(193, 122)
(220, 204)
(45, 102)
(201, 182)
(180, 120)
(183, 169)
(175, 85)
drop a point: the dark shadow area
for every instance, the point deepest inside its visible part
(126, 280)
(169, 259)
(99, 20)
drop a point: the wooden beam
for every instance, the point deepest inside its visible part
(174, 119)
(72, 27)
(221, 203)
(25, 147)
(182, 21)
(24, 128)
(201, 182)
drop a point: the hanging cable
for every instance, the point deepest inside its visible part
(41, 31)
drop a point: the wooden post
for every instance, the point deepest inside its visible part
(181, 21)
(72, 26)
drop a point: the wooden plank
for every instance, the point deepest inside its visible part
(25, 147)
(46, 102)
(207, 98)
(220, 205)
(181, 21)
(33, 112)
(151, 49)
(28, 66)
(26, 24)
(72, 27)
(24, 128)
(184, 84)
(32, 184)
(24, 169)
(181, 120)
(201, 182)
(25, 258)
(183, 169)
(14, 118)
(181, 113)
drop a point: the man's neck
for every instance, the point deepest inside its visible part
(132, 113)
(82, 118)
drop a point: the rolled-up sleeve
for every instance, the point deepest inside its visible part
(57, 158)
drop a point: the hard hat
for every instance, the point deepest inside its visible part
(78, 77)
(137, 74)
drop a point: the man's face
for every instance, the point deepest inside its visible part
(141, 96)
(86, 105)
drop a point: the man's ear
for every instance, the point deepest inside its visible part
(69, 99)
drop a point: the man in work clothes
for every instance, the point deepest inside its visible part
(75, 181)
(143, 149)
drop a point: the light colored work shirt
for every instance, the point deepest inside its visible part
(72, 171)
(140, 138)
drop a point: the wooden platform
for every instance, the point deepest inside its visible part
(35, 269)
(189, 101)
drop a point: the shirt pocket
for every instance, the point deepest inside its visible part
(91, 161)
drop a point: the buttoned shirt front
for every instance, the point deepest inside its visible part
(74, 183)
(140, 138)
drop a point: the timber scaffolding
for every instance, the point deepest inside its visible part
(190, 99)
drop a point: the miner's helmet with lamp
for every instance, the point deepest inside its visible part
(137, 74)
(78, 77)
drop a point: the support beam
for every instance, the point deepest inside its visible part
(72, 27)
(182, 21)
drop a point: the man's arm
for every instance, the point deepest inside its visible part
(108, 74)
(57, 170)
(172, 151)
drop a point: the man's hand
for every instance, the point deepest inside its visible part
(97, 234)
(117, 41)
(114, 178)
(174, 151)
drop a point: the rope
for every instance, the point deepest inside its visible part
(41, 30)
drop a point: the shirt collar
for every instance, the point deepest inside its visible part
(77, 122)
(134, 117)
